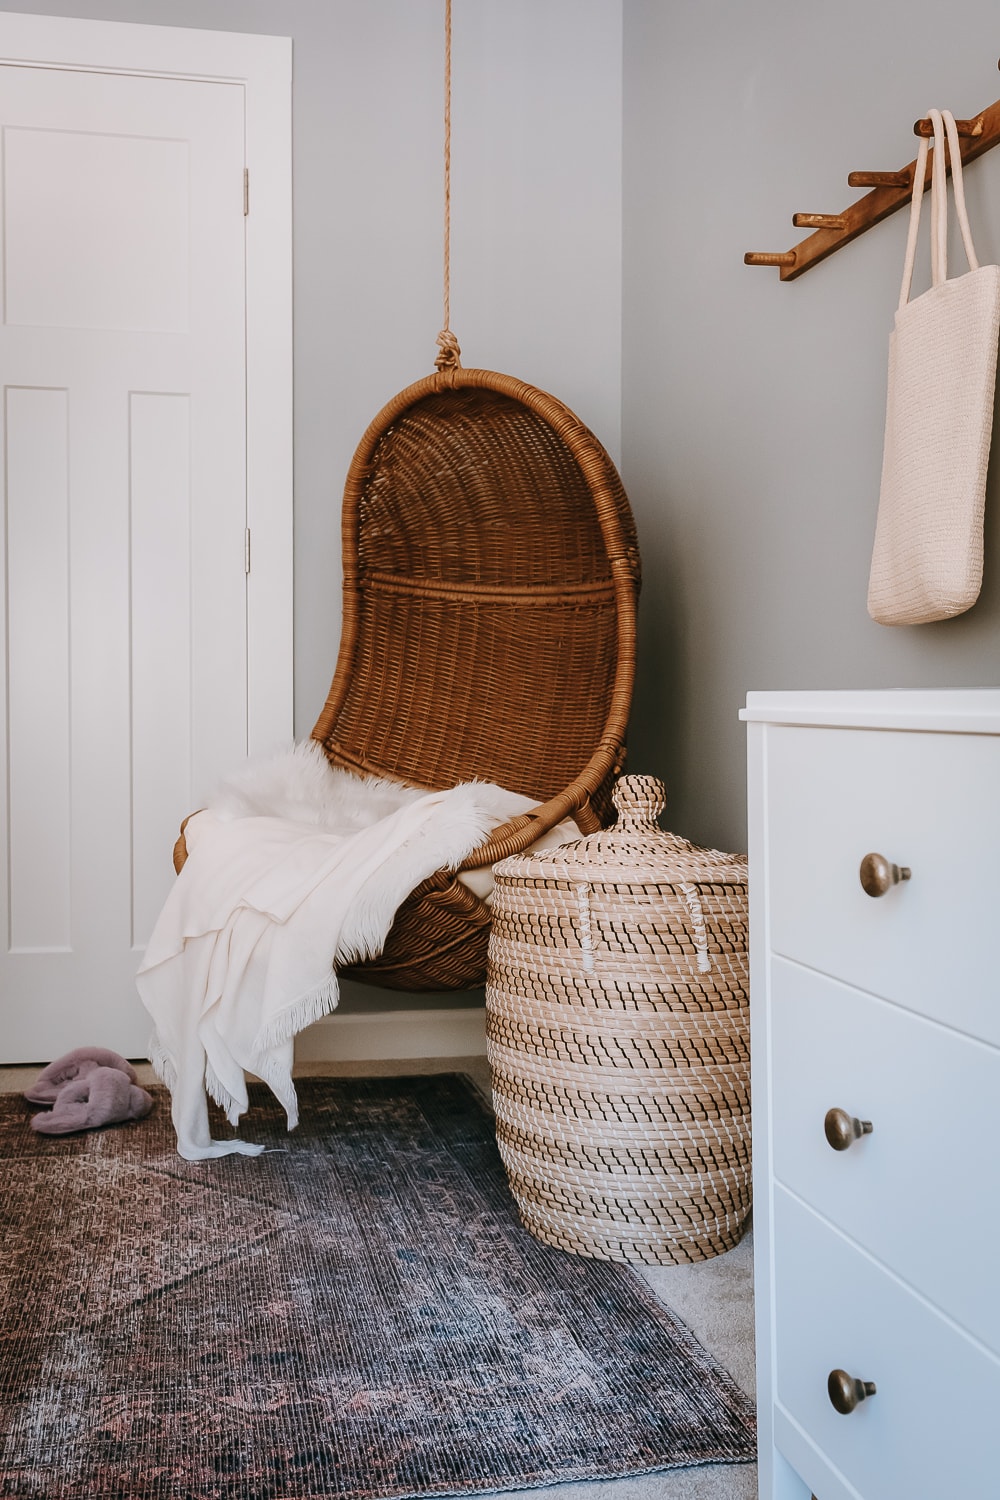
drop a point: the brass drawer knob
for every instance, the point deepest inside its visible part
(842, 1129)
(879, 874)
(846, 1392)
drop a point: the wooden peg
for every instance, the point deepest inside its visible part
(964, 127)
(901, 179)
(889, 191)
(755, 258)
(819, 221)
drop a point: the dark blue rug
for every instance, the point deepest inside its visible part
(356, 1314)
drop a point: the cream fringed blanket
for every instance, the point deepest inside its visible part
(294, 868)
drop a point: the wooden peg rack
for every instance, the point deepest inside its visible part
(890, 191)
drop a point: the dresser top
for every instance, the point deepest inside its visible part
(945, 710)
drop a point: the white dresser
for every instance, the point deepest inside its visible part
(875, 1041)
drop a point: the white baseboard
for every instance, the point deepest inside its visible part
(356, 1037)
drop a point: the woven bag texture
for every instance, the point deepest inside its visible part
(927, 559)
(617, 1018)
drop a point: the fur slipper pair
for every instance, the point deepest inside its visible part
(87, 1088)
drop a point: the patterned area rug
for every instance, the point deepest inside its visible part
(356, 1314)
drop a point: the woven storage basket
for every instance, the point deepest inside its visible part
(617, 1016)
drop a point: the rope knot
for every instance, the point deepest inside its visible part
(449, 358)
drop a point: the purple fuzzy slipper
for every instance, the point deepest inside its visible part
(101, 1096)
(76, 1064)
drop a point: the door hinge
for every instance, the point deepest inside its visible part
(246, 191)
(246, 550)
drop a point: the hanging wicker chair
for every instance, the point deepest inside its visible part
(491, 577)
(491, 580)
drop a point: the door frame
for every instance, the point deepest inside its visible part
(263, 66)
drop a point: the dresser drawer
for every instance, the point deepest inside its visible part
(927, 1432)
(930, 802)
(921, 1192)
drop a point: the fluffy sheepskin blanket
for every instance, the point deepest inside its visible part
(294, 868)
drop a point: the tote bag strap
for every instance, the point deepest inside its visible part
(944, 129)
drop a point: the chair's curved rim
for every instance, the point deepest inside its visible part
(516, 835)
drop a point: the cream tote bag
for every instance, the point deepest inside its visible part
(927, 561)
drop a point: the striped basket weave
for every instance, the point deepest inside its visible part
(617, 1015)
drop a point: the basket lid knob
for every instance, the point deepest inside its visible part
(639, 799)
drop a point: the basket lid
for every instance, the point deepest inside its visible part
(634, 851)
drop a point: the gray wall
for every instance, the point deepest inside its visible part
(536, 231)
(753, 409)
(536, 223)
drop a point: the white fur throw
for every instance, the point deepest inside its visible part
(292, 869)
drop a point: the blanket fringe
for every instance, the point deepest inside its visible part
(217, 1090)
(295, 1017)
(280, 1030)
(162, 1063)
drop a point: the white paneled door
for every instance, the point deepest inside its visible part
(123, 361)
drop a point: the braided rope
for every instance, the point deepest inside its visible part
(448, 359)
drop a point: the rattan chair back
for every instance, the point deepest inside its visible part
(491, 577)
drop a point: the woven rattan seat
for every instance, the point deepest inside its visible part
(491, 576)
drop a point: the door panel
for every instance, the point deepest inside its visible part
(122, 353)
(38, 691)
(105, 243)
(159, 464)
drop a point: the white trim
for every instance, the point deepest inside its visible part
(945, 710)
(263, 65)
(356, 1037)
(130, 47)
